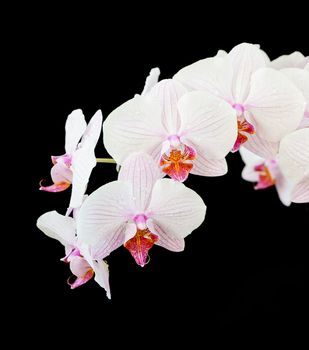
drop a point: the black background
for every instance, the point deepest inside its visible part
(242, 271)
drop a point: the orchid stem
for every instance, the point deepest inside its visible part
(106, 160)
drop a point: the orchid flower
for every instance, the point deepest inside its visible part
(83, 267)
(75, 166)
(263, 100)
(294, 60)
(183, 132)
(288, 171)
(138, 211)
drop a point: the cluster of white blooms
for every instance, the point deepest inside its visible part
(188, 124)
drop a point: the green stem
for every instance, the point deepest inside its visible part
(106, 160)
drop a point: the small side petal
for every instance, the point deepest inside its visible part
(295, 59)
(208, 167)
(74, 128)
(259, 146)
(58, 227)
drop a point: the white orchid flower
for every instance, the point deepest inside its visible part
(139, 210)
(263, 100)
(82, 265)
(288, 170)
(293, 60)
(184, 132)
(75, 166)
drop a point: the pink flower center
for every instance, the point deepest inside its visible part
(265, 177)
(239, 108)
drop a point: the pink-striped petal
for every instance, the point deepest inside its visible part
(142, 173)
(167, 92)
(300, 192)
(103, 216)
(177, 209)
(208, 123)
(275, 104)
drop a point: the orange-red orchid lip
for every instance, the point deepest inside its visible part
(178, 163)
(56, 187)
(140, 244)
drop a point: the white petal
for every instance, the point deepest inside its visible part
(276, 105)
(261, 147)
(61, 173)
(142, 172)
(295, 59)
(101, 276)
(221, 53)
(208, 167)
(294, 155)
(102, 218)
(251, 160)
(100, 268)
(300, 78)
(167, 241)
(83, 161)
(58, 227)
(94, 129)
(74, 128)
(167, 92)
(307, 67)
(211, 74)
(301, 191)
(284, 188)
(177, 209)
(151, 80)
(245, 59)
(209, 123)
(132, 127)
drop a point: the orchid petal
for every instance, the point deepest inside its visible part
(211, 74)
(251, 160)
(94, 129)
(261, 147)
(208, 167)
(284, 188)
(58, 227)
(301, 191)
(295, 59)
(82, 270)
(208, 122)
(167, 241)
(61, 173)
(294, 155)
(83, 161)
(177, 209)
(100, 269)
(102, 218)
(134, 126)
(151, 80)
(300, 78)
(167, 92)
(276, 105)
(245, 59)
(142, 172)
(74, 128)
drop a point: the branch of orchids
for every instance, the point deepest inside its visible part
(106, 160)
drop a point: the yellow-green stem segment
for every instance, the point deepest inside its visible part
(106, 160)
